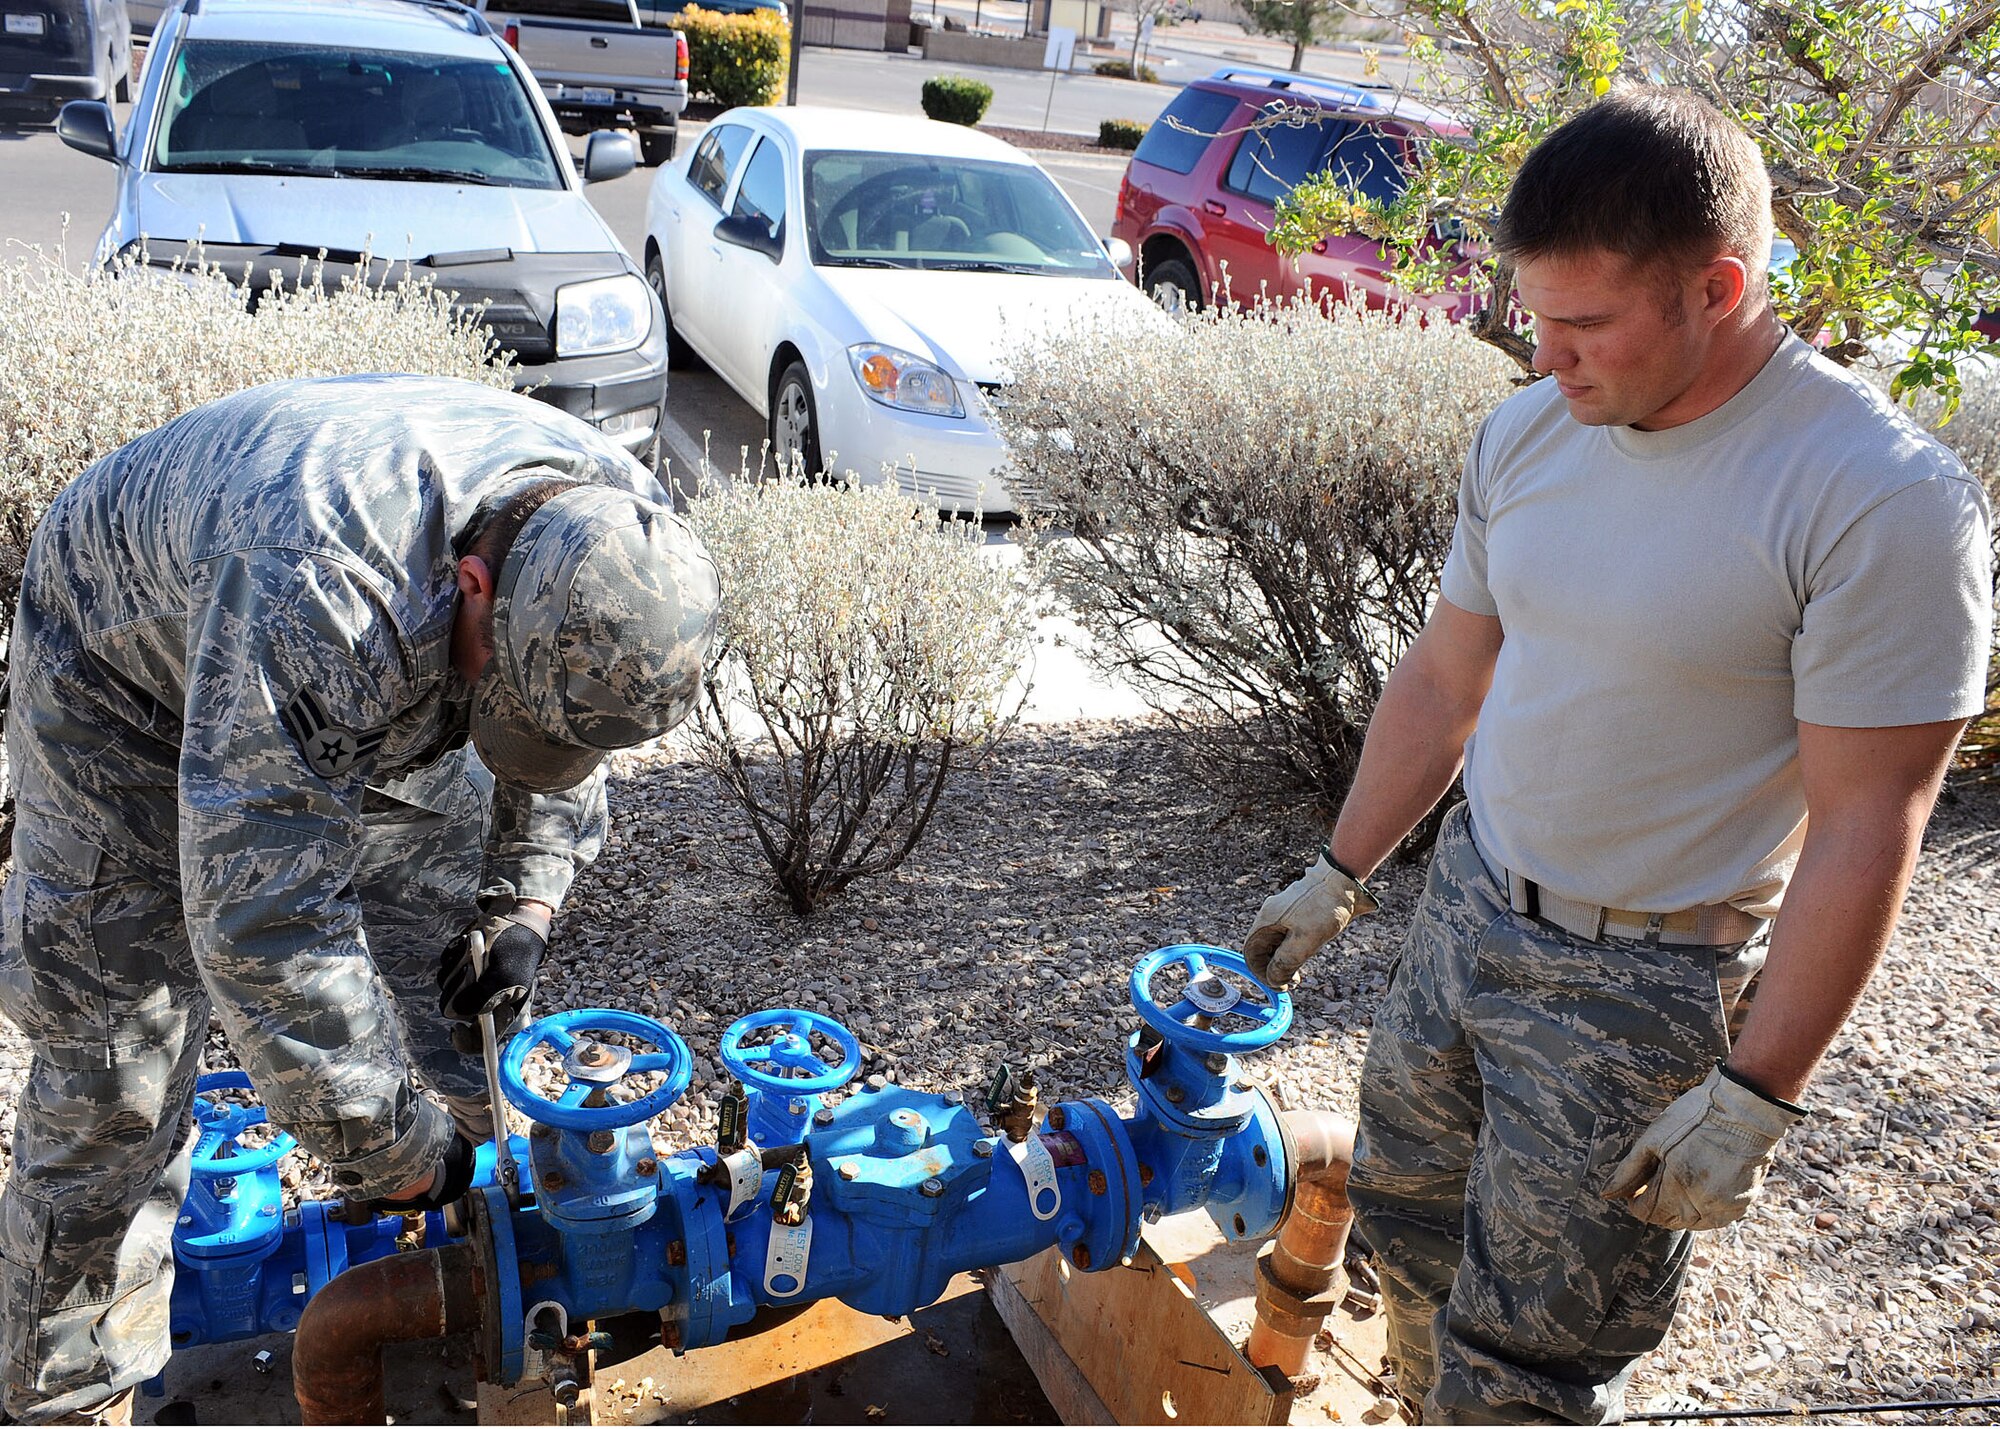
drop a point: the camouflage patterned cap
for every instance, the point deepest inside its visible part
(601, 617)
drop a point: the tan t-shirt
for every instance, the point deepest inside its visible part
(1675, 602)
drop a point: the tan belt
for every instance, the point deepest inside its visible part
(1710, 923)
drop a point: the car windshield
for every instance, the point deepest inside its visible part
(232, 107)
(875, 210)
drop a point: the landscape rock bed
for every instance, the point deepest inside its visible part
(1865, 1273)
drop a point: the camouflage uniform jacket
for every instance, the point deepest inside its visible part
(263, 591)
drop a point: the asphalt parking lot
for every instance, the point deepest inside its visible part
(57, 199)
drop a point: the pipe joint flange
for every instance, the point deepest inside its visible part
(1285, 1309)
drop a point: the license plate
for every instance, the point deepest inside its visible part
(598, 96)
(26, 25)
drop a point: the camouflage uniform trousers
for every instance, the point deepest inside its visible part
(1510, 1068)
(96, 969)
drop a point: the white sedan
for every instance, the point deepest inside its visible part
(861, 278)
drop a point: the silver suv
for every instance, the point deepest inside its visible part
(268, 132)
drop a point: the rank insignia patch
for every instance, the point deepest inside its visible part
(329, 748)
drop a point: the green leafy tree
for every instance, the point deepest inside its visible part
(1304, 22)
(1876, 118)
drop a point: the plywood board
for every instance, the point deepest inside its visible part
(952, 1362)
(1158, 1343)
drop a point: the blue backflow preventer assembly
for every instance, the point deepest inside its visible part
(877, 1198)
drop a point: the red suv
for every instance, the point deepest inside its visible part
(1199, 196)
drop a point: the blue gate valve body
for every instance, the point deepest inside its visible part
(243, 1266)
(1208, 1137)
(786, 1078)
(907, 1189)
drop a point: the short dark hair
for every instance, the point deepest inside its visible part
(494, 526)
(1657, 175)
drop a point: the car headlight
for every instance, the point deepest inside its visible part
(898, 379)
(603, 315)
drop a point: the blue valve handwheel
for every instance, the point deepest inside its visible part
(219, 1123)
(1268, 1020)
(766, 1066)
(562, 1032)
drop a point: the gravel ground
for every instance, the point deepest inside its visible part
(1865, 1273)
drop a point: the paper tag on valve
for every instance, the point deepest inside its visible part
(1038, 1169)
(746, 1178)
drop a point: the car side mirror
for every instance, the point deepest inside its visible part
(607, 154)
(86, 125)
(1119, 252)
(747, 230)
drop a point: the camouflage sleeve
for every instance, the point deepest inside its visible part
(295, 668)
(540, 842)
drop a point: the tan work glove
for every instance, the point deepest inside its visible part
(1702, 1161)
(1293, 925)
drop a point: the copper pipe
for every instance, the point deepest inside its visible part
(337, 1352)
(1300, 1279)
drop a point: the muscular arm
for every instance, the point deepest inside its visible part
(1868, 795)
(1416, 739)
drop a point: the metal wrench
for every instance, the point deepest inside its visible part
(505, 1172)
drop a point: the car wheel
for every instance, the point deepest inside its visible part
(795, 424)
(1173, 285)
(679, 354)
(656, 146)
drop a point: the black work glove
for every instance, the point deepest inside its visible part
(456, 1164)
(502, 977)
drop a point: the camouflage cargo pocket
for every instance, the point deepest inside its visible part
(94, 962)
(51, 980)
(1622, 1276)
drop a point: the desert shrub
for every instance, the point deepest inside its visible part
(1261, 505)
(864, 653)
(93, 361)
(954, 99)
(1122, 69)
(1120, 133)
(736, 59)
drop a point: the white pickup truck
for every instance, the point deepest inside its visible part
(600, 66)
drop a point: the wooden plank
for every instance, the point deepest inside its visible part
(531, 1403)
(1146, 1349)
(1075, 1402)
(952, 1362)
(1136, 1339)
